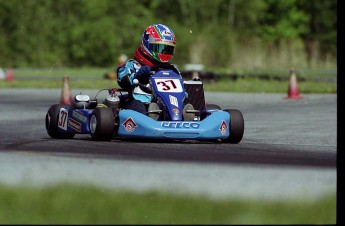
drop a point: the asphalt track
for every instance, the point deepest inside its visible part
(289, 149)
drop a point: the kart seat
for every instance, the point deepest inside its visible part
(196, 96)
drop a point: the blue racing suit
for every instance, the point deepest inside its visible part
(128, 72)
(125, 76)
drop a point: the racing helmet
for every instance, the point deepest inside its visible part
(158, 43)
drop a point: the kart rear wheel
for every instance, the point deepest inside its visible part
(208, 108)
(52, 118)
(212, 107)
(236, 126)
(102, 124)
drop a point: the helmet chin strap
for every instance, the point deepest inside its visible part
(142, 59)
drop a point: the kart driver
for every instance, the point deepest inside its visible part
(157, 48)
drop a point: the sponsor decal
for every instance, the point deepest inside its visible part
(176, 111)
(78, 115)
(74, 125)
(129, 125)
(166, 33)
(173, 100)
(179, 125)
(223, 127)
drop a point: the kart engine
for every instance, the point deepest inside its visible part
(112, 100)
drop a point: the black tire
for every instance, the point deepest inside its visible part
(52, 119)
(207, 108)
(102, 124)
(212, 107)
(236, 126)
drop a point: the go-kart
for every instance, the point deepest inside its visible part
(108, 119)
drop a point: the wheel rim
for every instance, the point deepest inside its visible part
(93, 124)
(47, 121)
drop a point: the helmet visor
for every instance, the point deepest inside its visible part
(161, 48)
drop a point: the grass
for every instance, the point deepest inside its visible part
(269, 86)
(77, 204)
(225, 85)
(92, 78)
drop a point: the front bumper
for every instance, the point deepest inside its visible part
(136, 125)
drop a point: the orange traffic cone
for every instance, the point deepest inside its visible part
(66, 95)
(10, 75)
(293, 92)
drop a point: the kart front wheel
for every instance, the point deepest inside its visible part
(102, 124)
(236, 129)
(52, 119)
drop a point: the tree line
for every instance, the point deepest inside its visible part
(219, 33)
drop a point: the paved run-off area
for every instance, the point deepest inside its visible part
(306, 126)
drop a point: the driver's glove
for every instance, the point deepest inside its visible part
(143, 74)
